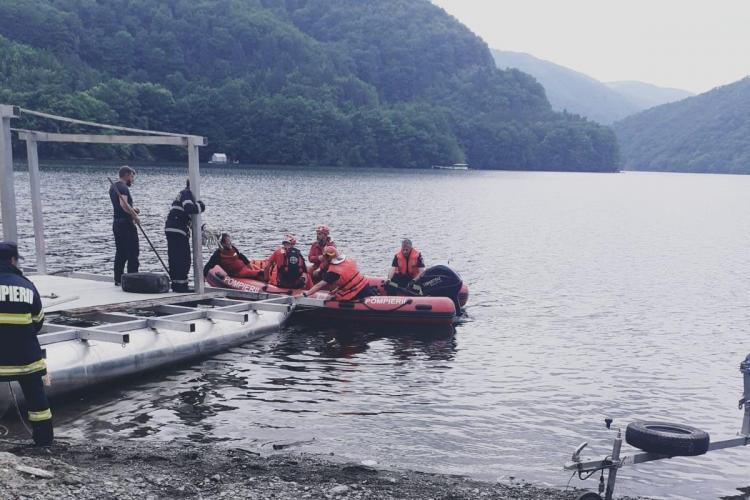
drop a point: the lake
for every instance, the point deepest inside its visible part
(592, 295)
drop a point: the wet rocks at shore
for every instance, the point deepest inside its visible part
(154, 470)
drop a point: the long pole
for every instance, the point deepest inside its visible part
(144, 233)
(32, 155)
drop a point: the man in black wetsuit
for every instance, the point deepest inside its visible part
(177, 229)
(123, 226)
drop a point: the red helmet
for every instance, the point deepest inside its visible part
(290, 238)
(330, 251)
(322, 228)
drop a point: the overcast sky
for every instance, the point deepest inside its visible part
(689, 44)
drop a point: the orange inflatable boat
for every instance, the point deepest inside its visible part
(444, 297)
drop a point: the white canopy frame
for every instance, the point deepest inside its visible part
(32, 138)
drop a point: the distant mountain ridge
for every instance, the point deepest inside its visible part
(581, 94)
(646, 95)
(705, 133)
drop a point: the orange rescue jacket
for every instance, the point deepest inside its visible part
(408, 267)
(350, 281)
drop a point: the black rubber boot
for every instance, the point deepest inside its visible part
(42, 433)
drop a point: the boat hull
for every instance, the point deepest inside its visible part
(381, 309)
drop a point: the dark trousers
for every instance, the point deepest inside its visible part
(40, 415)
(126, 247)
(367, 291)
(178, 253)
(401, 279)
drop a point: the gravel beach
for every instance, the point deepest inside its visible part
(146, 470)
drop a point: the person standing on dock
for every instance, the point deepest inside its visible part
(407, 264)
(318, 264)
(177, 229)
(21, 318)
(124, 225)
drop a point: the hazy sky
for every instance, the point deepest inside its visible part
(690, 44)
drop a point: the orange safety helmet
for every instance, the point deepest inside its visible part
(291, 239)
(330, 251)
(322, 228)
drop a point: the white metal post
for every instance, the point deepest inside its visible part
(195, 186)
(7, 191)
(745, 401)
(32, 155)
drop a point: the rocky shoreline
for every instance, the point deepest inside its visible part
(146, 470)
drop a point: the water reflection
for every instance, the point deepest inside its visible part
(430, 343)
(592, 295)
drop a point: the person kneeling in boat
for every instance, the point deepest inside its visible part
(319, 264)
(289, 265)
(232, 261)
(407, 265)
(342, 278)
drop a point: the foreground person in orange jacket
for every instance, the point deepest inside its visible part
(342, 278)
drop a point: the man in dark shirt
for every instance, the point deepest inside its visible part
(407, 264)
(125, 219)
(21, 319)
(177, 229)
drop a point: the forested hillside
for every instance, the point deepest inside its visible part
(705, 133)
(395, 83)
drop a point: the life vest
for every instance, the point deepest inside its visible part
(408, 267)
(230, 261)
(350, 281)
(316, 253)
(292, 268)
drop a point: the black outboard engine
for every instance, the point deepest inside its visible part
(441, 281)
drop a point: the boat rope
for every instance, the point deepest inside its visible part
(18, 410)
(210, 237)
(98, 125)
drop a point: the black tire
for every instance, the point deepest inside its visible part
(145, 283)
(674, 440)
(589, 495)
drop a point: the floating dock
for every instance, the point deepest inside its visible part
(96, 333)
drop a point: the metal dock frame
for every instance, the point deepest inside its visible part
(32, 138)
(234, 306)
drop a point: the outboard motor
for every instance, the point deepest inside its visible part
(441, 281)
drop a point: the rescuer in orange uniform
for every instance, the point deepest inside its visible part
(342, 278)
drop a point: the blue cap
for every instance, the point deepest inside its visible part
(9, 250)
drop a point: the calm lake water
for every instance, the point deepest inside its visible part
(592, 295)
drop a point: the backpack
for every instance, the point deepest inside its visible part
(293, 267)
